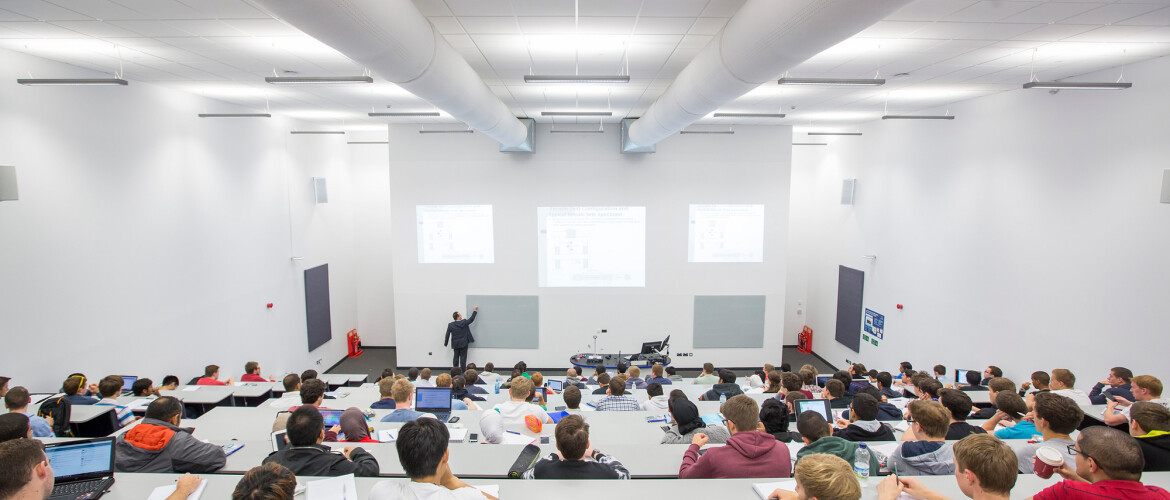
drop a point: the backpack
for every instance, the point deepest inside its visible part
(59, 409)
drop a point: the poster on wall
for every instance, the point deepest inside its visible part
(875, 324)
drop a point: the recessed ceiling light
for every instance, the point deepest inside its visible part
(1079, 85)
(576, 79)
(723, 132)
(297, 80)
(918, 117)
(834, 133)
(235, 115)
(833, 81)
(406, 113)
(576, 113)
(749, 115)
(317, 132)
(71, 81)
(810, 144)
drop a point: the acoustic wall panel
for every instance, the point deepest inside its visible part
(320, 327)
(850, 285)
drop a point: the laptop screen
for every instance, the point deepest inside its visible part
(433, 398)
(332, 417)
(961, 376)
(823, 379)
(128, 381)
(817, 405)
(555, 385)
(76, 459)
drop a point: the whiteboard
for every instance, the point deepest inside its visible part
(508, 321)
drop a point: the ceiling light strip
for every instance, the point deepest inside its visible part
(1079, 85)
(591, 131)
(850, 82)
(918, 117)
(834, 133)
(749, 115)
(810, 144)
(723, 132)
(317, 132)
(461, 131)
(235, 115)
(72, 81)
(312, 80)
(576, 113)
(406, 113)
(576, 79)
(368, 142)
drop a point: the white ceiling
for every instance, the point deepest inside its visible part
(952, 50)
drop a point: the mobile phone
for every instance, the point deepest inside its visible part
(474, 438)
(665, 428)
(453, 419)
(543, 439)
(560, 408)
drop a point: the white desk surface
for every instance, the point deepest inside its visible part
(201, 394)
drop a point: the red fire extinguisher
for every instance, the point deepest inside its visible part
(804, 340)
(355, 344)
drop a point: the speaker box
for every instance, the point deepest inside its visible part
(847, 188)
(1165, 186)
(8, 183)
(319, 190)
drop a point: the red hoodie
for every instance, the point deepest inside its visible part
(747, 454)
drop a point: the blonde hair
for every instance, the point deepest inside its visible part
(425, 374)
(827, 477)
(521, 388)
(993, 462)
(656, 370)
(402, 390)
(635, 372)
(1065, 377)
(1149, 383)
(386, 386)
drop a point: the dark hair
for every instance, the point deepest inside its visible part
(670, 370)
(774, 415)
(522, 366)
(291, 381)
(791, 381)
(73, 384)
(458, 382)
(1011, 404)
(489, 366)
(572, 397)
(304, 426)
(170, 379)
(622, 367)
(845, 378)
(412, 373)
(1000, 384)
(21, 456)
(599, 369)
(708, 368)
(141, 387)
(872, 391)
(387, 372)
(617, 386)
(974, 377)
(1117, 454)
(309, 374)
(858, 369)
(210, 370)
(455, 371)
(164, 408)
(957, 402)
(785, 367)
(1041, 376)
(865, 407)
(421, 444)
(654, 389)
(455, 315)
(270, 481)
(111, 386)
(812, 425)
(604, 379)
(471, 376)
(940, 369)
(13, 426)
(251, 366)
(1062, 414)
(835, 388)
(905, 365)
(572, 435)
(312, 390)
(931, 387)
(995, 371)
(1150, 416)
(1123, 373)
(16, 398)
(726, 376)
(885, 380)
(675, 395)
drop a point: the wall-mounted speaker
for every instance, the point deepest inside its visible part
(1165, 186)
(319, 190)
(8, 183)
(847, 189)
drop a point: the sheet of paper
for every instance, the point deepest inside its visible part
(513, 438)
(191, 388)
(139, 404)
(387, 436)
(885, 449)
(765, 489)
(491, 489)
(162, 492)
(334, 488)
(902, 426)
(457, 435)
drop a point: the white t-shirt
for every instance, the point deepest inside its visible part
(1124, 410)
(1076, 395)
(422, 382)
(409, 490)
(513, 412)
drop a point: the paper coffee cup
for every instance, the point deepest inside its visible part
(1048, 459)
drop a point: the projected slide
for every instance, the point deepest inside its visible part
(455, 234)
(591, 246)
(726, 233)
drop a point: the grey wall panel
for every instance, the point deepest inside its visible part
(729, 321)
(850, 285)
(320, 328)
(508, 321)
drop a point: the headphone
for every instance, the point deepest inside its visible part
(79, 386)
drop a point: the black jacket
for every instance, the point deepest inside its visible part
(731, 390)
(458, 395)
(984, 413)
(1099, 392)
(459, 333)
(319, 460)
(960, 430)
(1157, 452)
(841, 402)
(855, 433)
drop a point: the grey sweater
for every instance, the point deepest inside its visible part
(717, 434)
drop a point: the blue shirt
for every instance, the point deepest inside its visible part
(384, 404)
(1022, 430)
(660, 380)
(78, 399)
(402, 415)
(40, 426)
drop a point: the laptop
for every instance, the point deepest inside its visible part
(816, 405)
(434, 400)
(556, 385)
(961, 376)
(332, 417)
(127, 384)
(278, 440)
(823, 379)
(84, 469)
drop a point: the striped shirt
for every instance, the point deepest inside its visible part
(125, 416)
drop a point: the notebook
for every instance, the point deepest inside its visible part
(766, 489)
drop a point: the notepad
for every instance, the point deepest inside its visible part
(765, 489)
(334, 488)
(516, 438)
(387, 436)
(902, 426)
(885, 449)
(162, 492)
(712, 419)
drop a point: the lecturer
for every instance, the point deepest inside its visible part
(459, 334)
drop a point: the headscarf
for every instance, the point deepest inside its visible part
(686, 414)
(354, 426)
(491, 424)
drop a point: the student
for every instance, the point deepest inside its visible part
(672, 374)
(573, 445)
(808, 375)
(14, 426)
(385, 390)
(158, 444)
(824, 477)
(924, 451)
(656, 376)
(1143, 388)
(306, 456)
(775, 416)
(252, 373)
(958, 404)
(270, 481)
(110, 388)
(774, 384)
(572, 397)
(1062, 383)
(596, 378)
(708, 376)
(313, 392)
(818, 438)
(573, 377)
(1010, 410)
(989, 373)
(169, 383)
(725, 388)
(928, 388)
(862, 424)
(985, 469)
(974, 383)
(886, 411)
(472, 382)
(73, 388)
(791, 382)
(211, 377)
(616, 400)
(423, 452)
(1108, 464)
(460, 393)
(857, 379)
(444, 381)
(603, 383)
(143, 388)
(940, 374)
(635, 380)
(309, 374)
(387, 373)
(292, 383)
(1038, 383)
(16, 400)
(27, 471)
(657, 401)
(749, 451)
(1119, 386)
(1149, 423)
(903, 368)
(835, 393)
(994, 387)
(885, 385)
(424, 378)
(686, 423)
(517, 407)
(403, 393)
(790, 401)
(354, 427)
(488, 375)
(1056, 418)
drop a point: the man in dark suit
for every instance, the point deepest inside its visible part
(459, 335)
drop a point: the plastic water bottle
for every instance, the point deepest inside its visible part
(497, 386)
(722, 397)
(861, 461)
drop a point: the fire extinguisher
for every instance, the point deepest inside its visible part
(355, 344)
(804, 340)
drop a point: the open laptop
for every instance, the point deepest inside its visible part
(127, 384)
(823, 379)
(961, 376)
(818, 405)
(84, 469)
(434, 400)
(332, 417)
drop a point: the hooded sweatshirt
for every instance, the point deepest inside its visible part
(656, 403)
(730, 389)
(865, 431)
(716, 433)
(746, 454)
(1156, 448)
(923, 458)
(833, 445)
(887, 411)
(319, 460)
(157, 446)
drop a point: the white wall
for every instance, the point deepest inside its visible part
(751, 166)
(370, 164)
(1026, 233)
(148, 241)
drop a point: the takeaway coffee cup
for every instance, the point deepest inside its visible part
(1047, 460)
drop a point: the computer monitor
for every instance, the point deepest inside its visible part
(816, 405)
(651, 347)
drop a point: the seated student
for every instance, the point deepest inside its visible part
(312, 393)
(1062, 383)
(306, 456)
(616, 398)
(27, 471)
(817, 434)
(158, 444)
(573, 377)
(974, 383)
(808, 375)
(985, 468)
(846, 380)
(309, 374)
(16, 400)
(773, 384)
(823, 477)
(759, 379)
(403, 393)
(572, 397)
(775, 416)
(790, 401)
(597, 371)
(856, 373)
(354, 427)
(211, 377)
(252, 373)
(292, 383)
(488, 375)
(472, 382)
(603, 382)
(1118, 383)
(835, 393)
(517, 407)
(1143, 388)
(169, 383)
(657, 401)
(74, 387)
(516, 375)
(635, 380)
(725, 388)
(749, 451)
(789, 383)
(423, 453)
(686, 423)
(424, 378)
(905, 381)
(111, 388)
(940, 374)
(14, 426)
(1108, 464)
(270, 481)
(444, 380)
(989, 373)
(862, 424)
(903, 368)
(672, 374)
(387, 373)
(656, 376)
(460, 393)
(886, 411)
(1056, 418)
(708, 376)
(958, 404)
(994, 387)
(385, 387)
(143, 387)
(573, 445)
(925, 452)
(1037, 383)
(1149, 423)
(928, 389)
(1011, 411)
(885, 385)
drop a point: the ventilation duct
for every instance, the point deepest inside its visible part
(760, 42)
(393, 39)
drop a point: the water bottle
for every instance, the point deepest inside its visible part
(722, 398)
(861, 461)
(497, 386)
